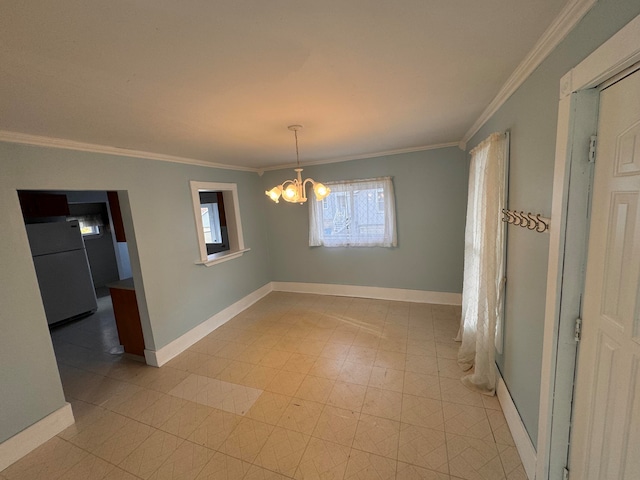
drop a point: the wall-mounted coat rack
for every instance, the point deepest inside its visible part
(526, 220)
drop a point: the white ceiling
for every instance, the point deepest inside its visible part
(219, 81)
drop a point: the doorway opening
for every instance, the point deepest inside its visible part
(82, 259)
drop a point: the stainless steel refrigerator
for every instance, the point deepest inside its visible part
(63, 270)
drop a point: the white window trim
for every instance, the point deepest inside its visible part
(234, 224)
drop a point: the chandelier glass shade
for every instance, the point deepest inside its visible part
(294, 191)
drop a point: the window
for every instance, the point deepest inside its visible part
(90, 224)
(214, 223)
(358, 213)
(218, 227)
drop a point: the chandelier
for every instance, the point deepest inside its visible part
(293, 191)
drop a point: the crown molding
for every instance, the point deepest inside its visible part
(363, 157)
(40, 141)
(566, 20)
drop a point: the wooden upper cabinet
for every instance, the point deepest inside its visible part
(116, 216)
(38, 205)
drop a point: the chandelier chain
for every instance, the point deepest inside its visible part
(295, 132)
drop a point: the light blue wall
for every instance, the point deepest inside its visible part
(180, 294)
(531, 115)
(431, 194)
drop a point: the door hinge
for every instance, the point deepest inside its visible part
(592, 148)
(565, 474)
(577, 330)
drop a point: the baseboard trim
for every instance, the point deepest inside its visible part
(397, 294)
(16, 447)
(157, 358)
(518, 431)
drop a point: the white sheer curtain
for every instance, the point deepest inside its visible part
(357, 213)
(483, 263)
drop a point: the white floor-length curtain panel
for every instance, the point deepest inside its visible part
(483, 263)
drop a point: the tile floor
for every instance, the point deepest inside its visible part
(297, 386)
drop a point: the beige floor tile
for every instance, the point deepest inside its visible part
(393, 344)
(424, 447)
(315, 388)
(189, 388)
(449, 368)
(413, 472)
(343, 336)
(491, 402)
(337, 425)
(322, 460)
(387, 379)
(466, 420)
(499, 427)
(50, 460)
(301, 415)
(90, 467)
(259, 377)
(447, 350)
(471, 458)
(259, 473)
(275, 359)
(253, 354)
(422, 364)
(235, 371)
(269, 407)
(231, 350)
(422, 385)
(161, 379)
(189, 360)
(327, 368)
(510, 460)
(133, 406)
(99, 431)
(160, 411)
(150, 454)
(285, 383)
(335, 350)
(299, 363)
(357, 373)
(390, 360)
(377, 435)
(310, 347)
(363, 355)
(454, 391)
(247, 439)
(119, 445)
(423, 348)
(212, 367)
(85, 414)
(223, 467)
(215, 429)
(186, 419)
(422, 411)
(282, 451)
(383, 403)
(208, 345)
(349, 396)
(185, 463)
(367, 466)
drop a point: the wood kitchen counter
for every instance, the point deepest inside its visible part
(125, 310)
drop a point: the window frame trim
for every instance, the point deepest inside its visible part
(234, 223)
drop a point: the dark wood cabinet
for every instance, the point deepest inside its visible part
(125, 310)
(39, 205)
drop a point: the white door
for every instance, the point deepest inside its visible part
(605, 439)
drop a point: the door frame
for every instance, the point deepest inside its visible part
(577, 121)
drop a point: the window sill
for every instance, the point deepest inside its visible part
(222, 257)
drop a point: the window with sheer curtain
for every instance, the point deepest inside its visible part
(357, 213)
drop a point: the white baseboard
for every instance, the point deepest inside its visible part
(518, 431)
(16, 447)
(398, 294)
(157, 358)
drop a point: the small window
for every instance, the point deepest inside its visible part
(218, 226)
(358, 213)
